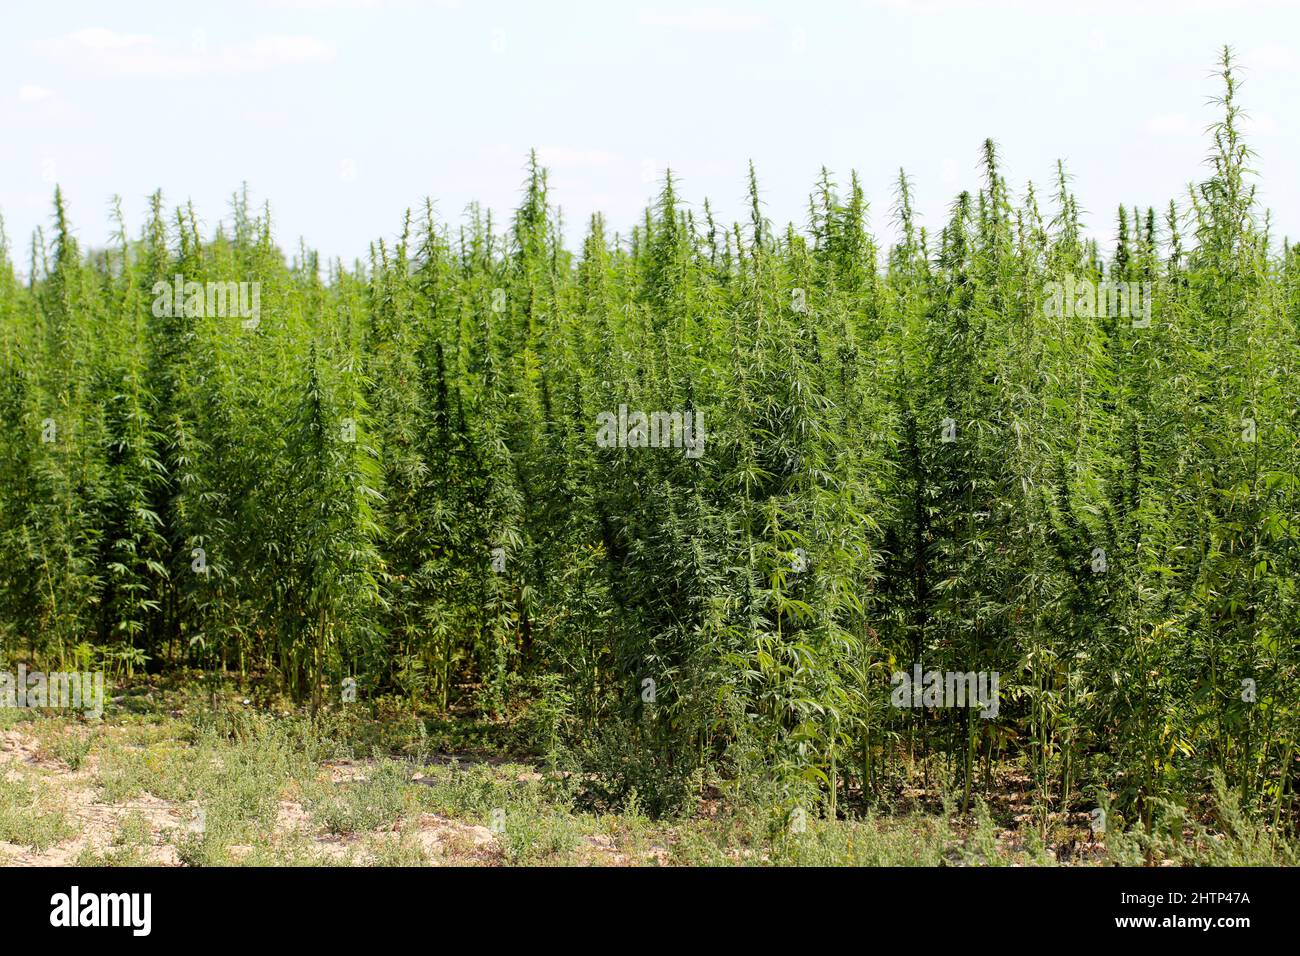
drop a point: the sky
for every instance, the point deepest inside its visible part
(344, 113)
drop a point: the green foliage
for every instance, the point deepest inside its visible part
(392, 477)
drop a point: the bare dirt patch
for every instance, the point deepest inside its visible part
(96, 824)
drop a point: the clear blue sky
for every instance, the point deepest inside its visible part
(344, 112)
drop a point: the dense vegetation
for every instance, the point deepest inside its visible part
(391, 474)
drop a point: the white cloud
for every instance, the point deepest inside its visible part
(1171, 124)
(265, 117)
(567, 156)
(99, 40)
(321, 5)
(31, 93)
(1179, 124)
(702, 20)
(1272, 56)
(1222, 6)
(1084, 7)
(144, 54)
(945, 6)
(325, 4)
(280, 50)
(1260, 124)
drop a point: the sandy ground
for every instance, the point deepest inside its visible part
(97, 822)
